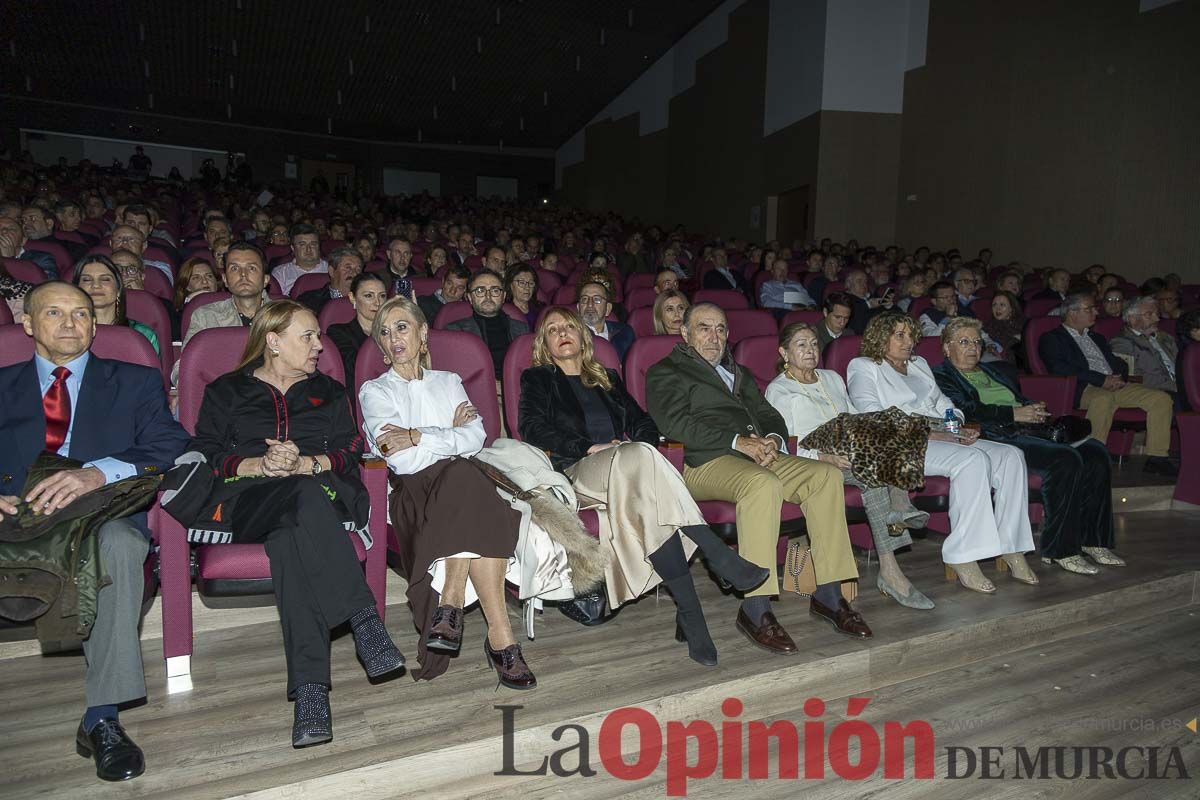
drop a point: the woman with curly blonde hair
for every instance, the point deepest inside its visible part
(888, 374)
(600, 438)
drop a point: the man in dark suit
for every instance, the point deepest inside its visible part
(722, 277)
(122, 428)
(594, 305)
(735, 450)
(837, 308)
(865, 306)
(1056, 286)
(488, 320)
(1101, 388)
(12, 245)
(344, 266)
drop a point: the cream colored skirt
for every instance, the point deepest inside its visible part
(641, 501)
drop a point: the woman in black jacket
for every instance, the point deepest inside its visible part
(367, 294)
(283, 446)
(1076, 480)
(580, 412)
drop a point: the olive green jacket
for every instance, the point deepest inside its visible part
(691, 404)
(50, 568)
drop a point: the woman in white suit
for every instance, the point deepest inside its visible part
(888, 374)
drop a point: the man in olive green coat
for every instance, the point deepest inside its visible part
(735, 450)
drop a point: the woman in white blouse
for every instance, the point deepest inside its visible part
(455, 534)
(806, 398)
(888, 374)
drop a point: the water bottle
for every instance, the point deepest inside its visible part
(951, 423)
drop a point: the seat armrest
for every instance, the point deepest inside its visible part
(672, 451)
(1056, 391)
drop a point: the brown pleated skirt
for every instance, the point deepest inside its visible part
(447, 508)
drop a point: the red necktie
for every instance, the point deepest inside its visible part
(57, 405)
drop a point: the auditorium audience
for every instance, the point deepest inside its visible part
(595, 306)
(1076, 481)
(865, 307)
(111, 418)
(669, 308)
(1058, 282)
(452, 290)
(667, 280)
(344, 266)
(12, 245)
(520, 289)
(1006, 327)
(306, 252)
(837, 307)
(721, 276)
(399, 273)
(259, 422)
(782, 294)
(735, 450)
(367, 294)
(580, 413)
(806, 398)
(1101, 387)
(452, 553)
(488, 320)
(887, 374)
(196, 276)
(101, 279)
(1112, 303)
(1168, 302)
(1151, 351)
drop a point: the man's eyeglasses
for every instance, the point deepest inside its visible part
(130, 271)
(593, 301)
(484, 291)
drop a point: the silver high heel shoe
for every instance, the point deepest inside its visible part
(914, 598)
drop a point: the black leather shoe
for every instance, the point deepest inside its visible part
(446, 632)
(1159, 465)
(117, 757)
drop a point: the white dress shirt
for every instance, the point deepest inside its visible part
(428, 405)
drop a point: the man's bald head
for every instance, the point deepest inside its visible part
(54, 288)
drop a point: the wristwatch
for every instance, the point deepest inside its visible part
(316, 467)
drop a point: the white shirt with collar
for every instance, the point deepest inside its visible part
(113, 469)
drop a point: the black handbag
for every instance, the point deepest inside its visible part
(1067, 430)
(588, 609)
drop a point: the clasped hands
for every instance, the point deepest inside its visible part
(55, 492)
(762, 450)
(282, 459)
(1034, 412)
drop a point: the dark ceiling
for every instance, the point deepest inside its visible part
(362, 68)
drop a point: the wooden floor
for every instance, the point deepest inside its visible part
(1057, 664)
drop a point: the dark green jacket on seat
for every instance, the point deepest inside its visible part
(691, 404)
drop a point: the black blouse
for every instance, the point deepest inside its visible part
(348, 337)
(240, 412)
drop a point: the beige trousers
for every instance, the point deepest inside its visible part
(1100, 406)
(642, 501)
(759, 493)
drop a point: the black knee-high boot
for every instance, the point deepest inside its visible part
(669, 563)
(730, 568)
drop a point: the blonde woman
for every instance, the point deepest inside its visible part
(669, 309)
(452, 552)
(888, 374)
(600, 438)
(282, 441)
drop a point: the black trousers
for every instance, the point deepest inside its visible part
(1076, 493)
(318, 581)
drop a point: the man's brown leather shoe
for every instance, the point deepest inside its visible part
(770, 635)
(844, 619)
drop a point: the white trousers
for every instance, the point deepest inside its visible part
(977, 530)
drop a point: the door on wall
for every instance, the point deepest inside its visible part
(338, 175)
(794, 216)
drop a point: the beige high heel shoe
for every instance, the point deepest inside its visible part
(971, 577)
(1021, 571)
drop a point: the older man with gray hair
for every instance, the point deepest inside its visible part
(1101, 386)
(1151, 351)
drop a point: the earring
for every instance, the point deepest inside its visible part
(274, 352)
(424, 348)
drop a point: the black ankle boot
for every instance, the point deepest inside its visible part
(690, 626)
(731, 569)
(313, 720)
(378, 654)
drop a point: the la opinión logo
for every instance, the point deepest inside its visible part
(736, 748)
